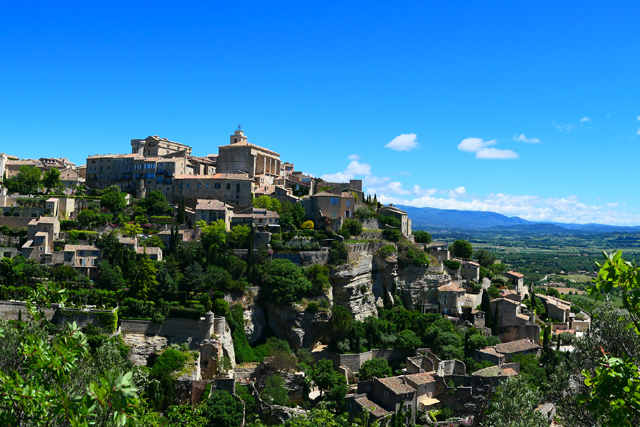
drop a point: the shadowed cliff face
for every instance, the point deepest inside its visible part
(300, 328)
(353, 287)
(418, 284)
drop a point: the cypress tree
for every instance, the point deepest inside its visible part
(485, 304)
(495, 324)
(545, 337)
(181, 211)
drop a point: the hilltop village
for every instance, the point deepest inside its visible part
(234, 283)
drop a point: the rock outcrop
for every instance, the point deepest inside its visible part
(143, 346)
(300, 328)
(419, 284)
(353, 287)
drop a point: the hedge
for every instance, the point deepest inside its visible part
(451, 264)
(186, 313)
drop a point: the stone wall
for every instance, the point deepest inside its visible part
(371, 223)
(368, 248)
(353, 362)
(198, 329)
(10, 310)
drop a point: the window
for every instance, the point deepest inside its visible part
(335, 201)
(188, 185)
(180, 186)
(385, 394)
(334, 215)
(228, 186)
(207, 186)
(237, 188)
(199, 185)
(348, 203)
(216, 185)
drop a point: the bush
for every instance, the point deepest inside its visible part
(422, 237)
(387, 251)
(410, 254)
(339, 253)
(186, 313)
(451, 264)
(365, 212)
(307, 225)
(284, 282)
(352, 226)
(391, 234)
(390, 221)
(313, 307)
(223, 410)
(378, 368)
(344, 233)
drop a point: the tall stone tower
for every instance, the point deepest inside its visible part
(238, 136)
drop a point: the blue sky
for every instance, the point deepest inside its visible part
(524, 109)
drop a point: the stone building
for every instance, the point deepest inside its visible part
(470, 271)
(557, 310)
(505, 352)
(517, 280)
(394, 212)
(258, 217)
(154, 146)
(514, 324)
(240, 155)
(233, 189)
(324, 209)
(41, 233)
(84, 259)
(210, 210)
(450, 298)
(3, 164)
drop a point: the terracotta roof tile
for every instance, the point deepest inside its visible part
(421, 378)
(397, 385)
(516, 346)
(371, 407)
(453, 287)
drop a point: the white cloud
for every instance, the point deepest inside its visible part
(534, 208)
(472, 145)
(354, 157)
(566, 128)
(482, 150)
(523, 138)
(404, 142)
(638, 133)
(585, 119)
(494, 153)
(458, 192)
(612, 205)
(638, 118)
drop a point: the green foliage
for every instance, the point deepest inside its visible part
(422, 237)
(461, 249)
(266, 202)
(153, 241)
(307, 225)
(378, 368)
(410, 254)
(318, 275)
(246, 396)
(284, 282)
(352, 226)
(365, 212)
(240, 234)
(390, 234)
(113, 200)
(339, 253)
(274, 391)
(221, 409)
(485, 258)
(155, 203)
(109, 320)
(391, 221)
(51, 179)
(451, 264)
(26, 181)
(145, 281)
(387, 251)
(514, 405)
(408, 339)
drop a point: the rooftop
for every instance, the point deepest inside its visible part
(421, 378)
(453, 287)
(248, 144)
(70, 248)
(236, 176)
(495, 371)
(516, 346)
(150, 250)
(374, 409)
(211, 204)
(44, 220)
(515, 273)
(397, 385)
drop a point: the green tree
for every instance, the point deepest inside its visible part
(422, 237)
(181, 216)
(132, 229)
(339, 253)
(324, 376)
(110, 277)
(485, 304)
(485, 258)
(352, 226)
(51, 179)
(240, 234)
(266, 202)
(153, 242)
(114, 201)
(274, 391)
(284, 282)
(298, 213)
(155, 203)
(514, 405)
(461, 249)
(28, 179)
(223, 410)
(145, 281)
(378, 368)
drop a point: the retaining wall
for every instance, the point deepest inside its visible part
(354, 361)
(10, 310)
(177, 328)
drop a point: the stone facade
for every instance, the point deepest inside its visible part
(232, 189)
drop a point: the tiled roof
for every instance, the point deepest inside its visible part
(69, 248)
(393, 209)
(248, 144)
(495, 371)
(523, 316)
(516, 346)
(420, 379)
(150, 250)
(453, 287)
(236, 176)
(325, 194)
(562, 304)
(371, 407)
(509, 300)
(43, 220)
(256, 213)
(472, 263)
(127, 240)
(397, 385)
(211, 204)
(515, 273)
(491, 350)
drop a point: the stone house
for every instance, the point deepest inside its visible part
(240, 155)
(210, 210)
(405, 222)
(438, 250)
(392, 392)
(450, 298)
(359, 403)
(470, 271)
(278, 192)
(505, 352)
(83, 258)
(233, 189)
(517, 280)
(326, 209)
(154, 146)
(183, 236)
(154, 253)
(557, 310)
(258, 217)
(425, 385)
(41, 233)
(514, 323)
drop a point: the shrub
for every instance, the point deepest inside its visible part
(390, 221)
(387, 251)
(422, 236)
(284, 282)
(378, 368)
(307, 225)
(339, 253)
(313, 307)
(451, 264)
(352, 226)
(223, 410)
(410, 254)
(391, 234)
(344, 233)
(365, 212)
(186, 313)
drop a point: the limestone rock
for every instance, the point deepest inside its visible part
(143, 346)
(418, 284)
(300, 328)
(353, 283)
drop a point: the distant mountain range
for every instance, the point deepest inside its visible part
(424, 218)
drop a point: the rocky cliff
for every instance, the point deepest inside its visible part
(353, 287)
(300, 328)
(419, 284)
